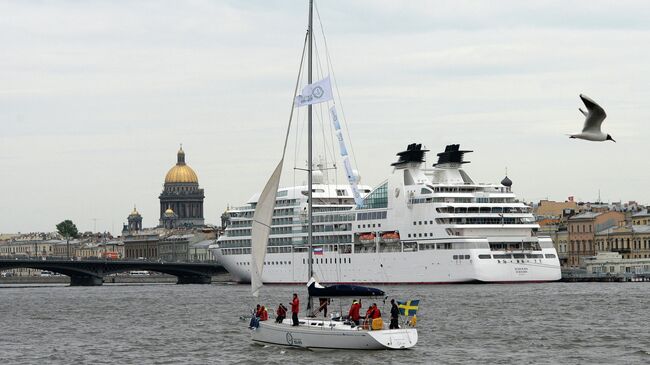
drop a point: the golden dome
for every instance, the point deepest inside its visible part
(134, 212)
(169, 211)
(181, 173)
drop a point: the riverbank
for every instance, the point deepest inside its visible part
(121, 279)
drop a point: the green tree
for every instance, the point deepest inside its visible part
(68, 230)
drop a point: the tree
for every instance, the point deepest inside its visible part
(68, 230)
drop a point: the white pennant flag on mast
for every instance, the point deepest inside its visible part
(314, 93)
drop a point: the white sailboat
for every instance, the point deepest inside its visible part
(312, 333)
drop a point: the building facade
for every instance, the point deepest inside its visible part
(181, 202)
(582, 229)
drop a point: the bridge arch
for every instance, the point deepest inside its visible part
(92, 272)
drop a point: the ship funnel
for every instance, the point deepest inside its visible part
(452, 155)
(413, 153)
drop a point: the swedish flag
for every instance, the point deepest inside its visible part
(408, 308)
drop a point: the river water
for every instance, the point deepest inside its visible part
(568, 323)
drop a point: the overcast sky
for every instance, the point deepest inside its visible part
(96, 96)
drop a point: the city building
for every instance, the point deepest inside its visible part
(641, 218)
(181, 202)
(553, 209)
(582, 229)
(134, 221)
(613, 263)
(143, 244)
(630, 241)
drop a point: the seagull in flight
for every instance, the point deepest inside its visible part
(594, 117)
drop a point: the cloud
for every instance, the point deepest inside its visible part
(96, 96)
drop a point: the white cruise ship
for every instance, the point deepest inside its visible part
(421, 226)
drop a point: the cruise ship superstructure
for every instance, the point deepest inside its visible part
(421, 225)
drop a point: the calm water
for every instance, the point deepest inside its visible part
(581, 323)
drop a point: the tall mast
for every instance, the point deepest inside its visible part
(309, 145)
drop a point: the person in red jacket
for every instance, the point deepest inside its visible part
(264, 315)
(258, 311)
(376, 313)
(281, 313)
(295, 308)
(354, 312)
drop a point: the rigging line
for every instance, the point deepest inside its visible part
(295, 92)
(336, 86)
(300, 75)
(326, 149)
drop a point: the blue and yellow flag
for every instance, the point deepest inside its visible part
(408, 308)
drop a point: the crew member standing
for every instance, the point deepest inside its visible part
(354, 312)
(295, 308)
(394, 314)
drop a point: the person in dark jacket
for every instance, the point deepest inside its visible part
(394, 315)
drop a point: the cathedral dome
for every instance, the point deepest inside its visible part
(134, 213)
(181, 173)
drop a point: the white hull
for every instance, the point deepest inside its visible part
(423, 267)
(324, 334)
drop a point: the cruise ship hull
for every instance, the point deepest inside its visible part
(423, 267)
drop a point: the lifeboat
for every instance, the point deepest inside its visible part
(390, 237)
(367, 237)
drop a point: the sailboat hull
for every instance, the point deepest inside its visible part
(319, 334)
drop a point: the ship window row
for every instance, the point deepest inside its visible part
(371, 215)
(515, 246)
(419, 223)
(330, 228)
(236, 251)
(278, 249)
(335, 260)
(425, 234)
(487, 220)
(329, 209)
(518, 256)
(466, 210)
(286, 202)
(326, 239)
(437, 246)
(330, 218)
(374, 225)
(424, 200)
(460, 257)
(440, 200)
(461, 189)
(238, 232)
(247, 263)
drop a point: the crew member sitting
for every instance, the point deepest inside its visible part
(376, 313)
(281, 313)
(258, 311)
(264, 315)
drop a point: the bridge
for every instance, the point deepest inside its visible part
(92, 272)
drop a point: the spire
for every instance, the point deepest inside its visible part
(181, 156)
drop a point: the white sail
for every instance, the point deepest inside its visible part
(261, 227)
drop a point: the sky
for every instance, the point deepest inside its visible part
(97, 96)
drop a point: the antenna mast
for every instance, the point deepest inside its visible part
(309, 151)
